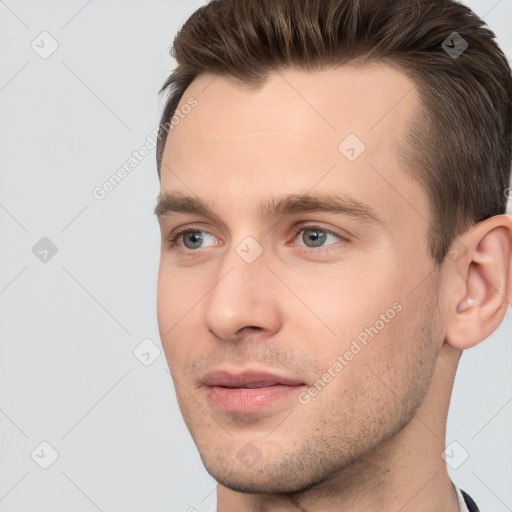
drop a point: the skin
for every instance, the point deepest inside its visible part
(372, 439)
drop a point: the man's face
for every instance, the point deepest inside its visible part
(298, 339)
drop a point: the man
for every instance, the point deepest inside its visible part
(332, 209)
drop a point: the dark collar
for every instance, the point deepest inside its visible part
(469, 502)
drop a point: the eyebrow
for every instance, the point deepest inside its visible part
(339, 203)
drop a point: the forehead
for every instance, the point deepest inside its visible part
(335, 129)
(366, 100)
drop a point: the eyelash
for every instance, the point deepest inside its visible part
(172, 239)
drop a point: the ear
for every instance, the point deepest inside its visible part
(482, 278)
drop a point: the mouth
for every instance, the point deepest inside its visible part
(248, 392)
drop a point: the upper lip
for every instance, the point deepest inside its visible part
(247, 379)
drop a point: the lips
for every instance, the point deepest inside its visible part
(248, 392)
(249, 379)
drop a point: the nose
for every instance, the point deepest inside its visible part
(243, 299)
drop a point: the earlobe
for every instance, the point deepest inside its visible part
(484, 275)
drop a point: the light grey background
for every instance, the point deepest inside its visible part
(69, 326)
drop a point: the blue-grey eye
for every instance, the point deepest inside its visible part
(194, 237)
(315, 236)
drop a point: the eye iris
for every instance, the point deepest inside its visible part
(315, 235)
(196, 238)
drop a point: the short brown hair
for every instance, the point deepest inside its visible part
(460, 146)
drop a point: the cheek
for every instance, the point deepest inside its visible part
(338, 305)
(178, 292)
(175, 311)
(378, 334)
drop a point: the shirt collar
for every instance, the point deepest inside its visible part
(462, 501)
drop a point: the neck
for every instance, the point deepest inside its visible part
(405, 472)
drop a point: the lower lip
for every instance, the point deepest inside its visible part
(249, 400)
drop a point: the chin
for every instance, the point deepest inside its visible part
(278, 474)
(259, 483)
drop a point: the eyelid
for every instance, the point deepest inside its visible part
(177, 233)
(311, 226)
(322, 250)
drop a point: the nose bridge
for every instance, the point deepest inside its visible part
(241, 296)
